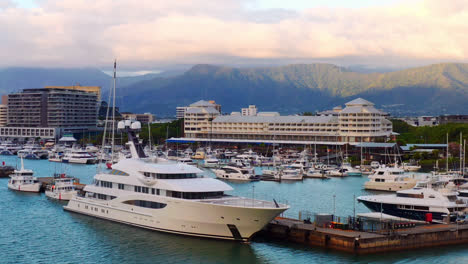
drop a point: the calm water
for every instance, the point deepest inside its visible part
(34, 229)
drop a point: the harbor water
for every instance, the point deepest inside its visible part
(35, 229)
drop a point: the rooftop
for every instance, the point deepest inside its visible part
(202, 103)
(359, 102)
(275, 119)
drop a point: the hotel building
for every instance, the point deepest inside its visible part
(359, 121)
(49, 112)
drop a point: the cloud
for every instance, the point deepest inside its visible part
(151, 32)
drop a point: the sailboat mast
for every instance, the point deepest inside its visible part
(446, 162)
(113, 111)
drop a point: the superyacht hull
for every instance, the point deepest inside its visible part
(184, 217)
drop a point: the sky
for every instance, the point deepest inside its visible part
(154, 34)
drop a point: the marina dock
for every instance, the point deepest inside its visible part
(358, 242)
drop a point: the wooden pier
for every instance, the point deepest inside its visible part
(359, 242)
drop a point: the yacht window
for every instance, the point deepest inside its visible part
(452, 198)
(102, 196)
(411, 195)
(202, 195)
(146, 204)
(380, 172)
(106, 184)
(228, 170)
(463, 194)
(121, 186)
(423, 208)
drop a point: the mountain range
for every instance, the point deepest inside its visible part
(429, 90)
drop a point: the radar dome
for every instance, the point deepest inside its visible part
(136, 125)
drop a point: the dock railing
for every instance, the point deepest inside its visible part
(381, 226)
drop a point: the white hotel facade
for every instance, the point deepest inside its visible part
(359, 121)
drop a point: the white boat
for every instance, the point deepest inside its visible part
(10, 147)
(349, 170)
(23, 180)
(170, 197)
(187, 160)
(390, 179)
(211, 162)
(315, 173)
(338, 172)
(410, 167)
(235, 173)
(78, 157)
(417, 204)
(290, 174)
(27, 154)
(62, 188)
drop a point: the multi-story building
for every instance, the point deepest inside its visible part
(3, 115)
(445, 119)
(89, 89)
(249, 111)
(180, 112)
(359, 121)
(52, 107)
(143, 118)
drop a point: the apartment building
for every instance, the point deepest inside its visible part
(52, 107)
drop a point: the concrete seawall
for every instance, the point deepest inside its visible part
(365, 242)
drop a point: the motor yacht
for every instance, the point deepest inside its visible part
(11, 147)
(350, 171)
(211, 162)
(62, 188)
(23, 180)
(27, 154)
(235, 173)
(410, 167)
(170, 197)
(290, 174)
(390, 179)
(187, 160)
(416, 204)
(78, 156)
(316, 173)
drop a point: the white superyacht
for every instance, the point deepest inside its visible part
(170, 197)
